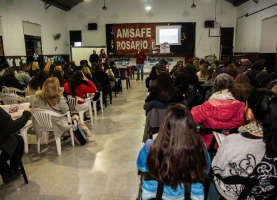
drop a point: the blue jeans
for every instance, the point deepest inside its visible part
(140, 68)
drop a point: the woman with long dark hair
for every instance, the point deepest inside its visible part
(78, 86)
(253, 152)
(36, 83)
(165, 93)
(177, 157)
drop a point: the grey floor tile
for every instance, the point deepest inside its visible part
(101, 170)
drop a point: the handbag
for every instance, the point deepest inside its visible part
(79, 135)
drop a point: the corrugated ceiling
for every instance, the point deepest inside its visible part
(65, 5)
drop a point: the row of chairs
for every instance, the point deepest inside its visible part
(43, 117)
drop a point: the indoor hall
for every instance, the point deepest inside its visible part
(101, 170)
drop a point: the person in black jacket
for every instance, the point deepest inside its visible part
(93, 57)
(9, 80)
(11, 144)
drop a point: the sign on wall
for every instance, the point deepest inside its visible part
(128, 37)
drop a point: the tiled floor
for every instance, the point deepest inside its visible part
(101, 170)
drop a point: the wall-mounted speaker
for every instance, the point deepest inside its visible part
(92, 26)
(209, 24)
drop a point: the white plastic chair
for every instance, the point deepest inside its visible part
(10, 98)
(13, 90)
(43, 118)
(73, 101)
(24, 134)
(95, 102)
(31, 99)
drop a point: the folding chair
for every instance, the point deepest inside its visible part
(124, 76)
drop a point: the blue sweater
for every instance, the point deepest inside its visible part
(149, 187)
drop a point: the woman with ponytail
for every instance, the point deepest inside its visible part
(253, 152)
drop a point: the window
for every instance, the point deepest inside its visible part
(33, 45)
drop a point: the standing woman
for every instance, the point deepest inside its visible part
(177, 158)
(103, 57)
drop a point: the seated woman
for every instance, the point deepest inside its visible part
(102, 78)
(9, 80)
(243, 87)
(110, 73)
(50, 98)
(86, 71)
(213, 73)
(79, 86)
(152, 77)
(153, 81)
(186, 75)
(164, 95)
(32, 68)
(36, 83)
(11, 143)
(222, 110)
(253, 152)
(203, 73)
(177, 158)
(232, 70)
(59, 75)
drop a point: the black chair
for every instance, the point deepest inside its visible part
(22, 168)
(107, 90)
(123, 76)
(205, 94)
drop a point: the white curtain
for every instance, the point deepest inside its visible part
(1, 27)
(269, 35)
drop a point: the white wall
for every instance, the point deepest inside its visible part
(132, 11)
(52, 21)
(248, 35)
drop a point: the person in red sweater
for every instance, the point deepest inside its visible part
(140, 56)
(79, 86)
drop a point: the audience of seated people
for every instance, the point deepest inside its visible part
(234, 102)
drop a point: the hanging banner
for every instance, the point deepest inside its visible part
(128, 37)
